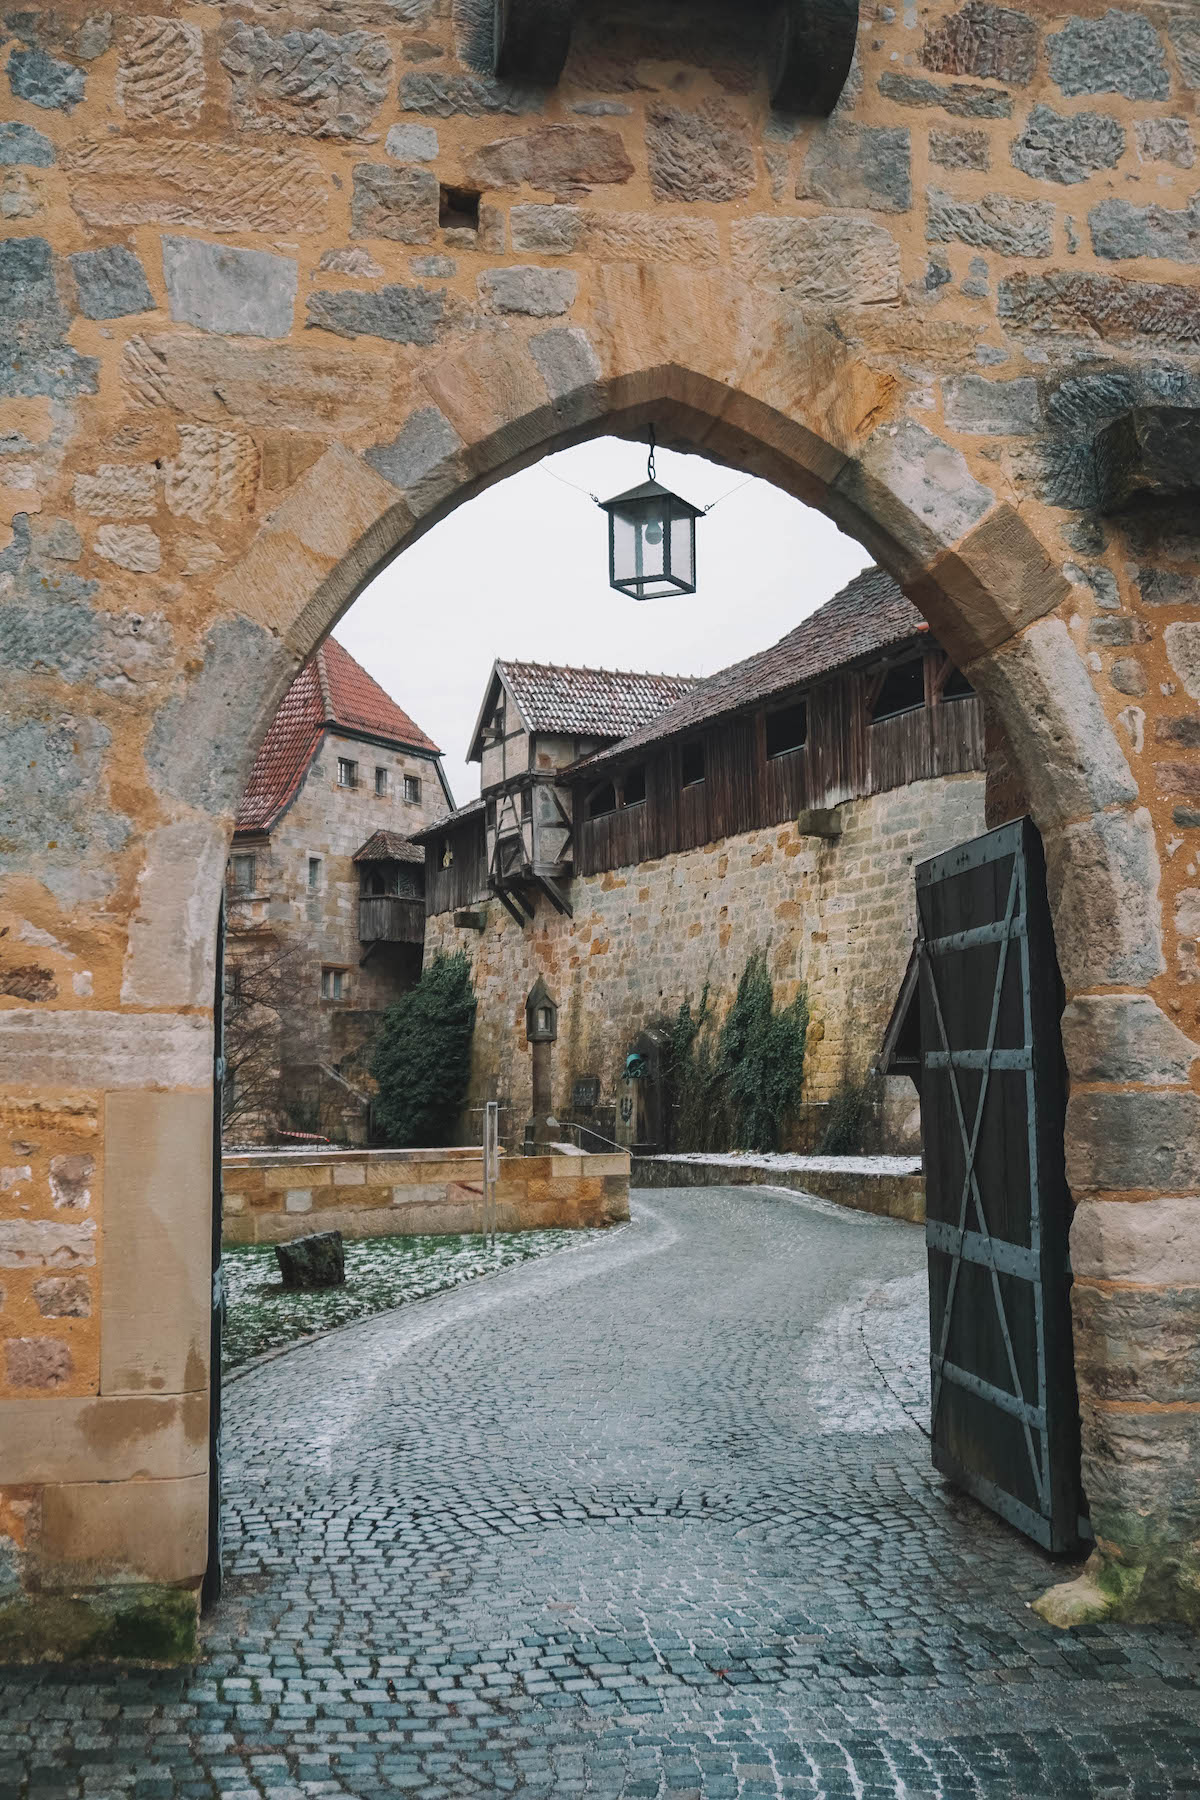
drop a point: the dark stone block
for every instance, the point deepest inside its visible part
(465, 96)
(1184, 732)
(1116, 634)
(111, 283)
(22, 144)
(1166, 587)
(992, 42)
(1120, 229)
(959, 98)
(857, 165)
(318, 1261)
(1186, 817)
(44, 81)
(33, 321)
(1102, 306)
(403, 315)
(996, 222)
(1067, 148)
(1149, 451)
(1120, 53)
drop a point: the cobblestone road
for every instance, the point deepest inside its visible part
(651, 1518)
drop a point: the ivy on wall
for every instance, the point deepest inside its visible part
(421, 1057)
(732, 1086)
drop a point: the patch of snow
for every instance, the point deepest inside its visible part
(784, 1161)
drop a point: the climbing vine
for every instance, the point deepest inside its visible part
(732, 1085)
(421, 1057)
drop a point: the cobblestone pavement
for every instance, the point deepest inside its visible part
(652, 1517)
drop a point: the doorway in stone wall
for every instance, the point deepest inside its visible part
(807, 732)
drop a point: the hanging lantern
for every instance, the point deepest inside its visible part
(651, 540)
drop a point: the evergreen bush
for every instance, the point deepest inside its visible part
(845, 1121)
(421, 1057)
(732, 1087)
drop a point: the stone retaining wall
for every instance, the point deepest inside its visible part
(272, 1196)
(891, 1196)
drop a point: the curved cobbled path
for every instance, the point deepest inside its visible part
(653, 1517)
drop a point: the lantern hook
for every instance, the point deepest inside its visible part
(650, 460)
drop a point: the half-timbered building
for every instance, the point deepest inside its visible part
(779, 805)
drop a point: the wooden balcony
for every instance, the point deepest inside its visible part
(391, 919)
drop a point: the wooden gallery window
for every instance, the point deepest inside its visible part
(957, 687)
(602, 800)
(787, 728)
(633, 786)
(691, 764)
(902, 691)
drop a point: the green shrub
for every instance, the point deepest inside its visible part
(421, 1057)
(732, 1087)
(760, 1055)
(845, 1121)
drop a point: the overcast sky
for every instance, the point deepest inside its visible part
(522, 572)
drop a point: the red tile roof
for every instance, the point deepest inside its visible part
(331, 691)
(868, 616)
(590, 702)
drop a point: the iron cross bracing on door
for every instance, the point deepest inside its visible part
(809, 47)
(1004, 1410)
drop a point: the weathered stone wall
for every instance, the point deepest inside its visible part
(247, 361)
(272, 1198)
(835, 917)
(330, 823)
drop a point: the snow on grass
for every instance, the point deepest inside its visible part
(793, 1163)
(380, 1273)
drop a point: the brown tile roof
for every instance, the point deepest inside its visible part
(868, 616)
(388, 846)
(473, 809)
(603, 703)
(331, 691)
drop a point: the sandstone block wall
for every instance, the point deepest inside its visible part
(271, 1198)
(919, 315)
(835, 918)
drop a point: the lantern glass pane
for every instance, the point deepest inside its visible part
(683, 549)
(622, 537)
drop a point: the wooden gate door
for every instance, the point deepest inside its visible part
(1005, 1422)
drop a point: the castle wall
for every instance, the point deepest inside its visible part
(835, 918)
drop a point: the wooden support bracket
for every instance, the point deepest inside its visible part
(810, 46)
(1150, 452)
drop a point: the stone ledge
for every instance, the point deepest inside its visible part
(889, 1195)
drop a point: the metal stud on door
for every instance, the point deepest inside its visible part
(1005, 1421)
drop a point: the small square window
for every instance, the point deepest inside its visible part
(242, 871)
(314, 874)
(381, 782)
(335, 984)
(347, 772)
(412, 788)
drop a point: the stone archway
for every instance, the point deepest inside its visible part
(217, 488)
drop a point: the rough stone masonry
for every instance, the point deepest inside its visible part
(275, 290)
